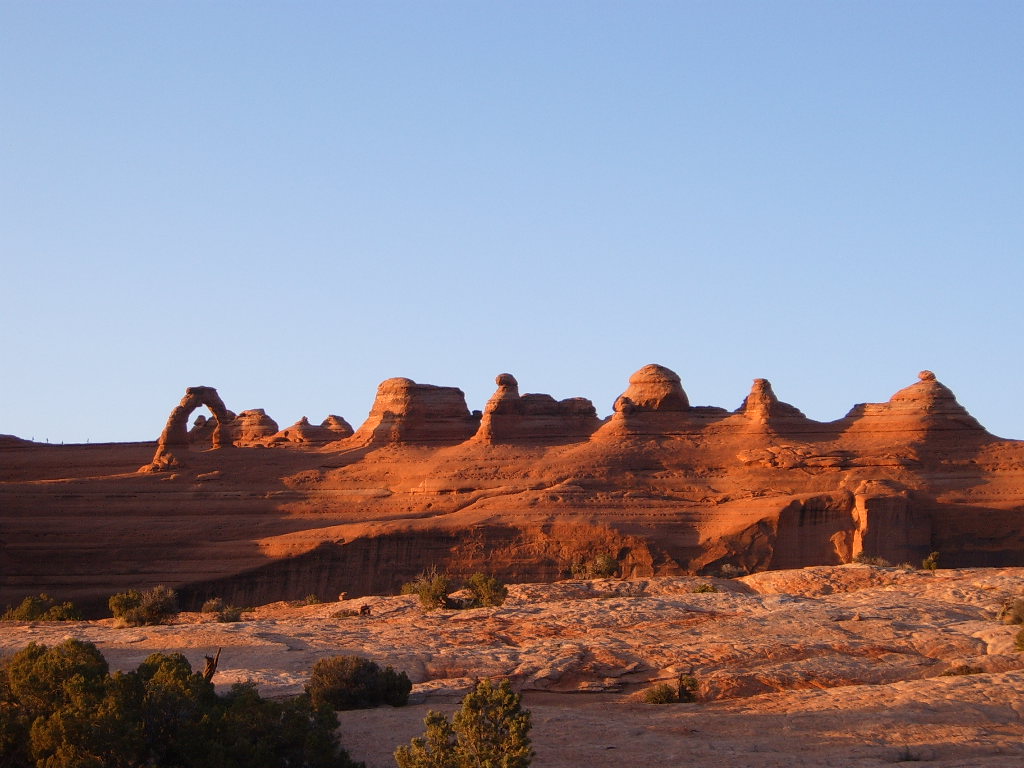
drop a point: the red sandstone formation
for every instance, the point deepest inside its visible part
(339, 426)
(304, 432)
(175, 435)
(763, 408)
(202, 430)
(252, 427)
(653, 388)
(510, 417)
(527, 491)
(925, 410)
(407, 412)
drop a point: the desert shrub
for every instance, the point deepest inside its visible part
(229, 614)
(213, 605)
(962, 669)
(931, 562)
(662, 693)
(906, 567)
(865, 559)
(1012, 611)
(687, 687)
(63, 709)
(431, 586)
(41, 608)
(604, 566)
(685, 690)
(154, 606)
(344, 613)
(487, 590)
(600, 566)
(705, 587)
(907, 755)
(490, 730)
(352, 682)
(310, 599)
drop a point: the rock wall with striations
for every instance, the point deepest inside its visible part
(532, 488)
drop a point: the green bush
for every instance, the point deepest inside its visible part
(154, 606)
(213, 605)
(352, 682)
(600, 566)
(310, 599)
(687, 687)
(931, 562)
(432, 588)
(1012, 612)
(685, 690)
(705, 587)
(229, 614)
(662, 693)
(490, 730)
(731, 571)
(487, 590)
(63, 709)
(962, 669)
(41, 608)
(865, 559)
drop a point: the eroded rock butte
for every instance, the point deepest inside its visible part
(531, 489)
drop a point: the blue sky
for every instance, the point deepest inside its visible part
(294, 201)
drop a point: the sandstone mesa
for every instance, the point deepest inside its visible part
(238, 507)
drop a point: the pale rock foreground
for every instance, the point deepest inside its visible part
(821, 666)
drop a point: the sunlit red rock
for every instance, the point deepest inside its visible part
(528, 490)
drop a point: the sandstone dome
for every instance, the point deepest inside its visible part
(653, 388)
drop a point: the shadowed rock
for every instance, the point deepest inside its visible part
(759, 488)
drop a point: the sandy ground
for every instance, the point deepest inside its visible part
(835, 666)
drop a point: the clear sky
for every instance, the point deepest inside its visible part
(294, 201)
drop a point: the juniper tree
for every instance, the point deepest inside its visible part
(490, 730)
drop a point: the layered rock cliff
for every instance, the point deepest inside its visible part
(531, 488)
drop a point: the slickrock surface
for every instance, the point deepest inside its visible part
(839, 666)
(527, 489)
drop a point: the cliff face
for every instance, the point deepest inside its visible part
(531, 489)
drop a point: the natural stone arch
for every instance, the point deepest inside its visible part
(175, 434)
